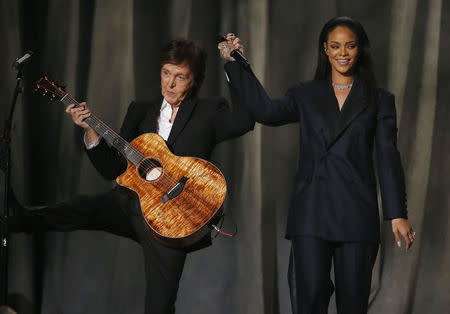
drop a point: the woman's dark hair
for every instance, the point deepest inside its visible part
(363, 66)
(191, 53)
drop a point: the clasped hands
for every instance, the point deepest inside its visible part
(226, 47)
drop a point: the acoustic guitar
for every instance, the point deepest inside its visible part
(180, 197)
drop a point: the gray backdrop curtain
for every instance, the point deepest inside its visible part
(107, 51)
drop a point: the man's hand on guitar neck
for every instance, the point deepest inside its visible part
(79, 114)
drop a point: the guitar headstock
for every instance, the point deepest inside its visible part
(46, 87)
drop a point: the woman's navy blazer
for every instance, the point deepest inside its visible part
(335, 194)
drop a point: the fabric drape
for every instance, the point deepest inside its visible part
(107, 53)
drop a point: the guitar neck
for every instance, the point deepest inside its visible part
(108, 134)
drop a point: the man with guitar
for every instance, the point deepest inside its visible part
(191, 126)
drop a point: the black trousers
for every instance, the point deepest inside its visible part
(309, 275)
(119, 214)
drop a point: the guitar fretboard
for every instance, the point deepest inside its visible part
(108, 134)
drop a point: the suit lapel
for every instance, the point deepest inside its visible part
(183, 115)
(355, 103)
(327, 107)
(149, 123)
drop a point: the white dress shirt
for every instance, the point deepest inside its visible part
(164, 124)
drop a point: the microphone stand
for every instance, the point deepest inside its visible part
(5, 158)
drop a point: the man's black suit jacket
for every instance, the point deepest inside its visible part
(335, 196)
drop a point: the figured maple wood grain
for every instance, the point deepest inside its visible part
(183, 216)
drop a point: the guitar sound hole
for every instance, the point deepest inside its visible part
(150, 169)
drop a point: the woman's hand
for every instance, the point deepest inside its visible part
(402, 226)
(232, 43)
(79, 114)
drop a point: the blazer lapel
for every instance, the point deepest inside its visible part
(328, 109)
(149, 123)
(355, 103)
(182, 117)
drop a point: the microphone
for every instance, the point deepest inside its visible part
(236, 54)
(22, 60)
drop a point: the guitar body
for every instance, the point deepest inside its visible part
(180, 197)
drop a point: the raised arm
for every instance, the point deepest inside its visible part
(250, 93)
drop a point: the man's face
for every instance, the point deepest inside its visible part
(176, 80)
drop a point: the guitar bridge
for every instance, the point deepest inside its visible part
(175, 191)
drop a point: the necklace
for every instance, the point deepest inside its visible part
(341, 87)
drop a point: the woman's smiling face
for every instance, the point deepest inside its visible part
(342, 50)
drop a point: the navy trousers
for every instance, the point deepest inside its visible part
(309, 275)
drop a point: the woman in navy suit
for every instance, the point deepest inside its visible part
(333, 215)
